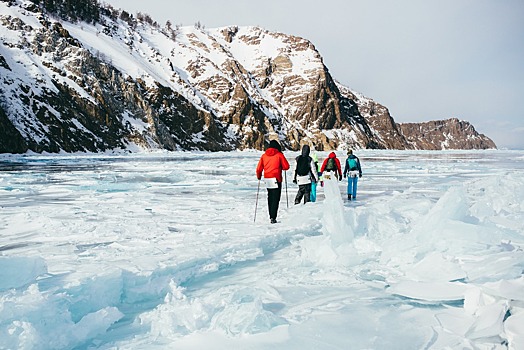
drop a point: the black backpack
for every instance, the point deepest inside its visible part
(303, 165)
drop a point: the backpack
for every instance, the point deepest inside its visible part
(331, 166)
(303, 165)
(352, 162)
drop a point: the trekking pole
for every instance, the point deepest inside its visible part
(256, 202)
(285, 176)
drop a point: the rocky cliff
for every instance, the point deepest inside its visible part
(119, 82)
(445, 134)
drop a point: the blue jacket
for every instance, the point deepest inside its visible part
(347, 169)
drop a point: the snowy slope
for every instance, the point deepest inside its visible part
(73, 86)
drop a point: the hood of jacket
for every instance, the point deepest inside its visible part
(305, 151)
(272, 151)
(332, 155)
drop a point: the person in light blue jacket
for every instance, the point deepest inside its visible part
(353, 171)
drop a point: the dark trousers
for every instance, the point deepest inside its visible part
(303, 191)
(273, 200)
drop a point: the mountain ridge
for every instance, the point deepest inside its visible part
(125, 82)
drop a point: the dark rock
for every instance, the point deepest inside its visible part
(445, 134)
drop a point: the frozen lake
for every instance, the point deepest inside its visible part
(160, 251)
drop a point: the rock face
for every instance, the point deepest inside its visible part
(10, 139)
(124, 82)
(445, 134)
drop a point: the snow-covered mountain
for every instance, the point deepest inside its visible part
(112, 80)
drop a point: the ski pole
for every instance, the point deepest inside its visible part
(285, 176)
(256, 202)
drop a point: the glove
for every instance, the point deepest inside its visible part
(359, 175)
(340, 178)
(321, 183)
(344, 176)
(259, 177)
(295, 181)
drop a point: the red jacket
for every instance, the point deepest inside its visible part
(337, 162)
(272, 163)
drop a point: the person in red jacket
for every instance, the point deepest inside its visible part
(271, 164)
(331, 163)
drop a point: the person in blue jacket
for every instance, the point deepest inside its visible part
(353, 171)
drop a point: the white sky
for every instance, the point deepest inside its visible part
(423, 60)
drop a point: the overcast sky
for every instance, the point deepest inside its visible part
(423, 60)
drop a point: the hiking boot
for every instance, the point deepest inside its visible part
(349, 197)
(273, 221)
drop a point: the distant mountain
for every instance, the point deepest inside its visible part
(445, 134)
(75, 76)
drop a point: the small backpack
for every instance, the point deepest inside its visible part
(330, 166)
(352, 162)
(303, 165)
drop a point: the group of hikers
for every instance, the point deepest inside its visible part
(307, 174)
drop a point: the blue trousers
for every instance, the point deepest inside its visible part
(352, 186)
(313, 193)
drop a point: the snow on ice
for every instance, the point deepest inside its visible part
(159, 250)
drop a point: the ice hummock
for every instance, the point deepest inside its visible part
(160, 251)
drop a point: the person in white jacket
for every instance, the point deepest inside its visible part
(305, 173)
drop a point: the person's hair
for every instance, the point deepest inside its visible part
(350, 151)
(275, 144)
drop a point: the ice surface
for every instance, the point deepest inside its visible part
(159, 250)
(17, 272)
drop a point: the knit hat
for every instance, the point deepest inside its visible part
(275, 144)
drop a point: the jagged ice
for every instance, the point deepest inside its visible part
(159, 250)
